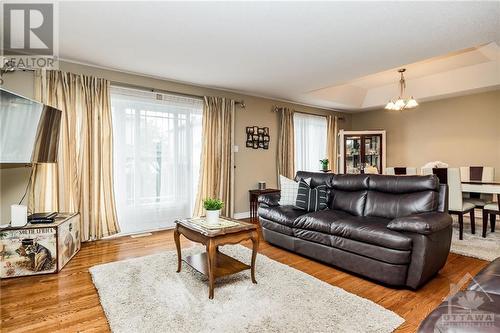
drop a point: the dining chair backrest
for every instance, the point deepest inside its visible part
(401, 171)
(477, 173)
(451, 177)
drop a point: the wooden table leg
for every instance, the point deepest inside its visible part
(178, 246)
(212, 261)
(255, 247)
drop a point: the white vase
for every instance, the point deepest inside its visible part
(213, 216)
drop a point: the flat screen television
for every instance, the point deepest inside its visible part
(29, 130)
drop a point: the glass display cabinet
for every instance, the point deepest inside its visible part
(361, 152)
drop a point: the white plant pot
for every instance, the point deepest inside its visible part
(213, 216)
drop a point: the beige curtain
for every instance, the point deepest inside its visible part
(217, 163)
(286, 155)
(331, 134)
(82, 179)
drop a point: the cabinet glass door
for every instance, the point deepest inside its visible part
(372, 153)
(353, 154)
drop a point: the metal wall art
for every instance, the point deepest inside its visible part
(257, 137)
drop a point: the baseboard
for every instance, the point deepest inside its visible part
(243, 215)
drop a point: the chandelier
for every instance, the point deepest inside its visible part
(402, 102)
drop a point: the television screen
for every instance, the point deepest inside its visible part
(29, 130)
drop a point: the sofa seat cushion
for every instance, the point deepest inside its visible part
(391, 256)
(320, 221)
(282, 214)
(372, 230)
(276, 227)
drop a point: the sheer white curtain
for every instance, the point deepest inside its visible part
(310, 141)
(157, 147)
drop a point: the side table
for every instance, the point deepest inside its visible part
(254, 204)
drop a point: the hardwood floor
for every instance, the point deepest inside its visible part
(68, 301)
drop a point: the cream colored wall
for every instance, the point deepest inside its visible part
(13, 182)
(460, 131)
(251, 165)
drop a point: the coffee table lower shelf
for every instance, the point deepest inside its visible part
(225, 265)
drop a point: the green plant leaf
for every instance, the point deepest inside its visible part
(213, 204)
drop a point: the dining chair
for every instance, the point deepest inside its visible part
(456, 204)
(491, 209)
(401, 171)
(478, 174)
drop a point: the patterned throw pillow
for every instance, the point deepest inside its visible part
(311, 199)
(289, 189)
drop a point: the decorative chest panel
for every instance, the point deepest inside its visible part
(39, 248)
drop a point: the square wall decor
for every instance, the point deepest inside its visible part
(257, 137)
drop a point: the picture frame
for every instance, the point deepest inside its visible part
(257, 137)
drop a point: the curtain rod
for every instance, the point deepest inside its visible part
(241, 103)
(276, 108)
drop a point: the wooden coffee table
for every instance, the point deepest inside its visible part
(213, 263)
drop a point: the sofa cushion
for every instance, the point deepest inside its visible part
(282, 214)
(395, 196)
(289, 189)
(407, 184)
(311, 199)
(371, 230)
(387, 255)
(352, 202)
(393, 205)
(348, 182)
(320, 221)
(276, 227)
(317, 178)
(349, 193)
(424, 224)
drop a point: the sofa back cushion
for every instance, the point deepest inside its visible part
(349, 193)
(317, 178)
(398, 196)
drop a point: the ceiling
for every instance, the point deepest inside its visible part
(292, 51)
(459, 73)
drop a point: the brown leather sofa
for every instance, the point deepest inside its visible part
(476, 309)
(392, 229)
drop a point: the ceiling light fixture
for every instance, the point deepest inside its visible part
(402, 102)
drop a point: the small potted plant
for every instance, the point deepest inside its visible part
(213, 207)
(324, 164)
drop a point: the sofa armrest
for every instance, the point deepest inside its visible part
(423, 223)
(269, 199)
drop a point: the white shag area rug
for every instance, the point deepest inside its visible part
(147, 295)
(475, 245)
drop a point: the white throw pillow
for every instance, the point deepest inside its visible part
(289, 189)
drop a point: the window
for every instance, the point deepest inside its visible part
(310, 141)
(157, 148)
